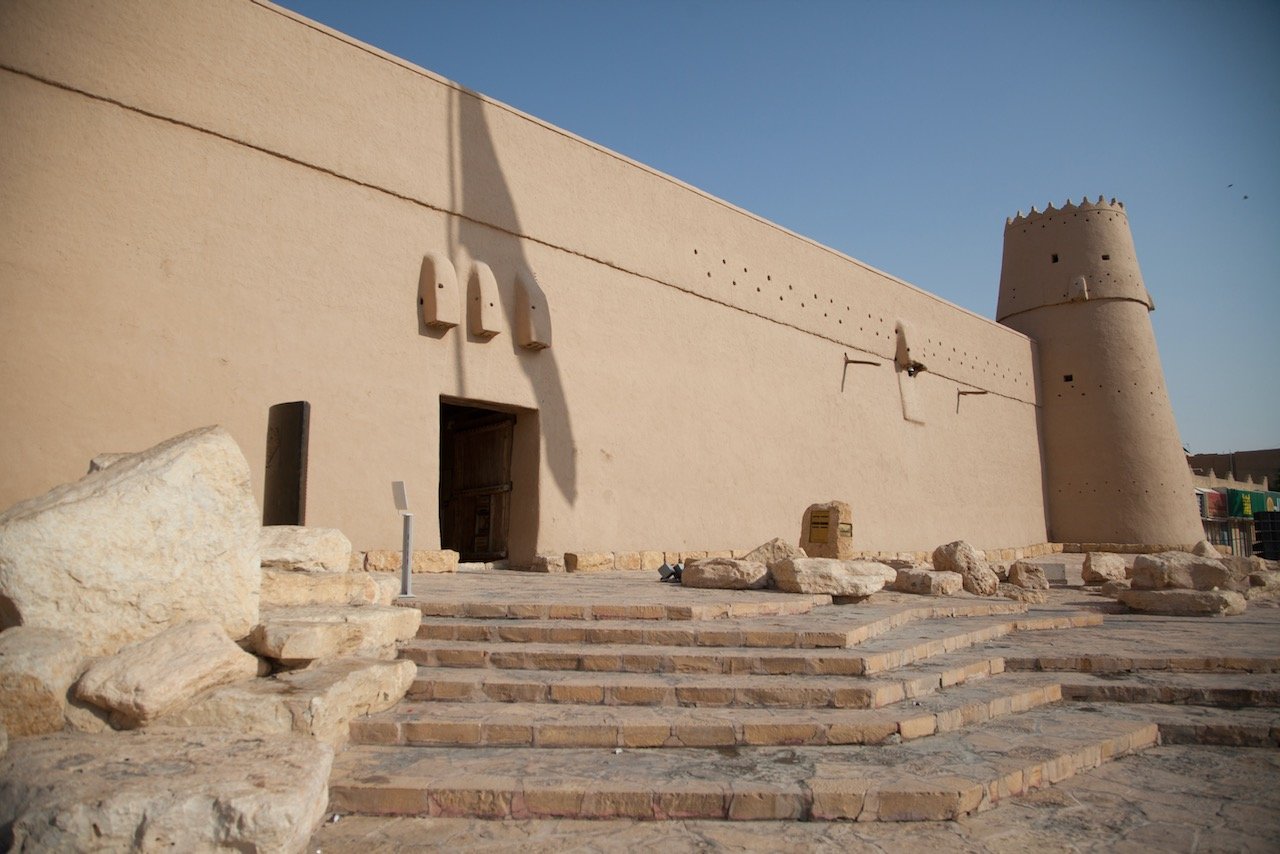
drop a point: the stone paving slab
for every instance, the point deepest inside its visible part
(601, 596)
(830, 626)
(925, 779)
(684, 689)
(897, 648)
(1169, 799)
(564, 726)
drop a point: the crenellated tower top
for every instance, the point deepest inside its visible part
(1069, 208)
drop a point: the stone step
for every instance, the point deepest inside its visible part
(627, 606)
(937, 778)
(1124, 663)
(692, 689)
(898, 648)
(1201, 689)
(1206, 725)
(565, 725)
(831, 626)
(298, 635)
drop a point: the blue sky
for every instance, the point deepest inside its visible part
(904, 133)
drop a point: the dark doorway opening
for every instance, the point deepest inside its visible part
(284, 493)
(475, 480)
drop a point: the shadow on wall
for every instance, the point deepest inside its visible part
(485, 232)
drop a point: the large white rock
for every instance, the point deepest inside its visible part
(828, 575)
(1180, 570)
(283, 588)
(319, 701)
(299, 635)
(155, 676)
(1028, 576)
(925, 582)
(720, 573)
(1101, 567)
(772, 552)
(37, 666)
(1184, 603)
(157, 790)
(960, 557)
(299, 547)
(157, 539)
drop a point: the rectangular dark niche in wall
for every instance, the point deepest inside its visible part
(284, 495)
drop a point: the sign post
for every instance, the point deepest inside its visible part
(406, 560)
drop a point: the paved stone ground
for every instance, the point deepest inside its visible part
(1182, 796)
(1173, 798)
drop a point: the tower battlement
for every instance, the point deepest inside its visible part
(1034, 216)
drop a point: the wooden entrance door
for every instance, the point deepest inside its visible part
(475, 481)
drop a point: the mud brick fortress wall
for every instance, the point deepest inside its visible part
(214, 208)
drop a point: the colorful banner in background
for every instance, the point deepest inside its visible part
(1243, 503)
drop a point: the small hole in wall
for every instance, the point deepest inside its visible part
(1055, 257)
(1106, 257)
(695, 252)
(1066, 378)
(421, 301)
(768, 278)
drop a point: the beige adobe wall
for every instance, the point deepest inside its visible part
(1115, 469)
(216, 209)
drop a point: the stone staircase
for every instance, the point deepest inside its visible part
(660, 703)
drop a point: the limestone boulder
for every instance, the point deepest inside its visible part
(155, 790)
(827, 575)
(295, 636)
(1113, 588)
(37, 666)
(772, 552)
(157, 539)
(283, 588)
(155, 676)
(962, 558)
(1184, 603)
(299, 547)
(720, 573)
(319, 701)
(1101, 567)
(925, 582)
(1027, 595)
(1180, 570)
(1028, 576)
(1204, 548)
(423, 560)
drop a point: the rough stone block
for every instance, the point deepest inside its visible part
(1184, 603)
(773, 551)
(424, 560)
(177, 790)
(588, 561)
(825, 575)
(962, 558)
(319, 701)
(1113, 588)
(282, 588)
(37, 666)
(298, 547)
(725, 574)
(1027, 595)
(548, 563)
(158, 675)
(160, 538)
(827, 530)
(925, 582)
(1101, 567)
(1180, 570)
(302, 634)
(1028, 575)
(650, 561)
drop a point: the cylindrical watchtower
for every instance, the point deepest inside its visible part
(1115, 471)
